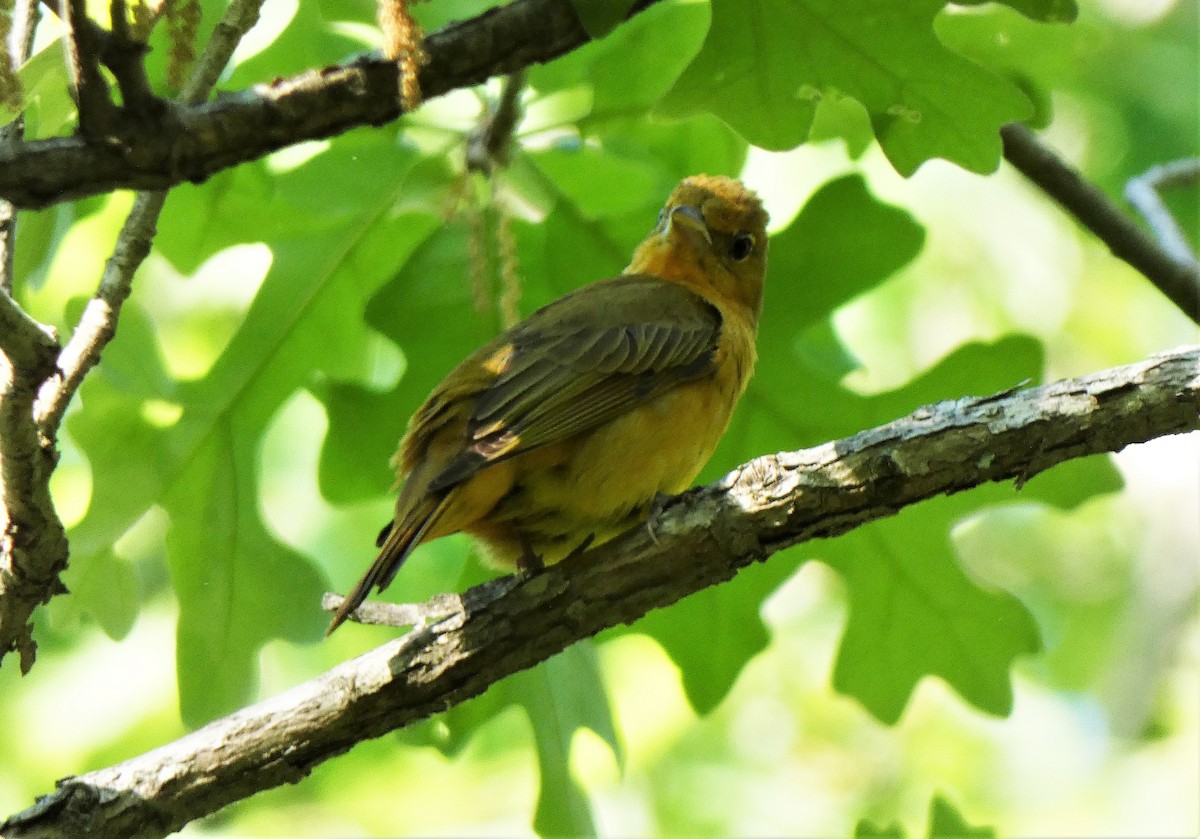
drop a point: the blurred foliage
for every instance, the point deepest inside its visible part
(229, 456)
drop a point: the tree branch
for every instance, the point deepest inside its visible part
(244, 126)
(98, 324)
(97, 113)
(1178, 279)
(700, 539)
(33, 544)
(1142, 193)
(33, 547)
(24, 25)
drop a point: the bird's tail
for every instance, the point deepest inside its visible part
(399, 542)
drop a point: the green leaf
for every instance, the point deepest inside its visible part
(651, 51)
(599, 17)
(868, 830)
(106, 588)
(561, 696)
(914, 613)
(46, 88)
(945, 822)
(39, 234)
(844, 242)
(1047, 11)
(599, 183)
(764, 67)
(237, 585)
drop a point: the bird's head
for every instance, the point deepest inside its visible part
(711, 235)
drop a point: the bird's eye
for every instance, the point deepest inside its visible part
(742, 246)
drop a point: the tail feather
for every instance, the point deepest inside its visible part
(398, 543)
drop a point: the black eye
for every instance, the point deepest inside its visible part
(742, 246)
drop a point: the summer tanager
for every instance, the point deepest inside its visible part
(562, 431)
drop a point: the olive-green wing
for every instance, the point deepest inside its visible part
(583, 361)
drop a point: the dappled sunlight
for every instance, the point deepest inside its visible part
(196, 316)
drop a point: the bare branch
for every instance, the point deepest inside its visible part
(98, 323)
(700, 539)
(24, 26)
(1143, 193)
(97, 113)
(319, 103)
(1178, 280)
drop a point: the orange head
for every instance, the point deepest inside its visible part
(711, 236)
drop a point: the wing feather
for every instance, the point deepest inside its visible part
(583, 361)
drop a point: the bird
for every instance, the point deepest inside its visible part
(565, 430)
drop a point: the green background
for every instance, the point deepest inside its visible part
(226, 463)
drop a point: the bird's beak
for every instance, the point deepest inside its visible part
(691, 218)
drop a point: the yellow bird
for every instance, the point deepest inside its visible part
(561, 431)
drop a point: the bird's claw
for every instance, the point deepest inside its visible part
(657, 504)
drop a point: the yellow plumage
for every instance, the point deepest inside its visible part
(566, 426)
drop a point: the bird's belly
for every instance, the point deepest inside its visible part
(602, 483)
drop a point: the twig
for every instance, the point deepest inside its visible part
(1144, 195)
(490, 144)
(97, 113)
(700, 539)
(399, 614)
(24, 27)
(98, 323)
(1179, 281)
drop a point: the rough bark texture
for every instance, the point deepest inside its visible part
(702, 538)
(192, 143)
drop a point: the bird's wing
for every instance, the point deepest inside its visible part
(582, 361)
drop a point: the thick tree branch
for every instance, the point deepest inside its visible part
(205, 139)
(33, 544)
(701, 539)
(1178, 279)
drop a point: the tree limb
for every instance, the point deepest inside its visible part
(700, 539)
(1178, 279)
(202, 140)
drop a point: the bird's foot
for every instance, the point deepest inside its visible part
(657, 504)
(529, 563)
(581, 548)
